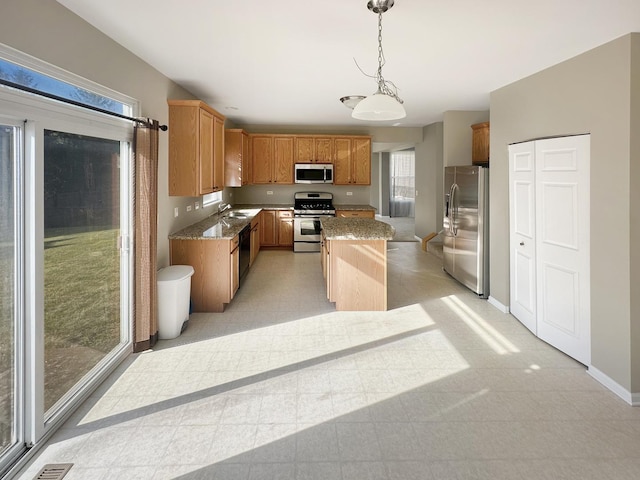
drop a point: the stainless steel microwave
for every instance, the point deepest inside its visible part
(313, 173)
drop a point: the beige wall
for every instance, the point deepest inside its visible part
(587, 94)
(458, 135)
(634, 201)
(428, 216)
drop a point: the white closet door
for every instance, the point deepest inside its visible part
(522, 233)
(562, 247)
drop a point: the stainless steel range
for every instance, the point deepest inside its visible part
(308, 209)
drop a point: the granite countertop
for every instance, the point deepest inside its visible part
(335, 228)
(218, 227)
(354, 207)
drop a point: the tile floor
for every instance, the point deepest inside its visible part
(442, 386)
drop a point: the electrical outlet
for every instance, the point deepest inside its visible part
(269, 192)
(349, 194)
(197, 205)
(176, 212)
(189, 208)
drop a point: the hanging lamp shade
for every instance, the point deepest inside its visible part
(379, 106)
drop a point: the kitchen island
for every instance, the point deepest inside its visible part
(354, 262)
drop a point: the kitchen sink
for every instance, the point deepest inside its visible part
(235, 215)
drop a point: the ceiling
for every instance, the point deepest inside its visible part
(287, 62)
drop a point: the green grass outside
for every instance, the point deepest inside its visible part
(82, 304)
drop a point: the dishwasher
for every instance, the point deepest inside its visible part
(245, 252)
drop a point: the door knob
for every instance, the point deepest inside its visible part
(521, 244)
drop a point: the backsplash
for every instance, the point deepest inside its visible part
(258, 194)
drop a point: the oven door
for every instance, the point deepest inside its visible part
(306, 233)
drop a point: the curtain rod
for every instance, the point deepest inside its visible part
(77, 104)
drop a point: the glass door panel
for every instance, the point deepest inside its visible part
(82, 281)
(9, 427)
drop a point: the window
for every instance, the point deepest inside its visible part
(403, 191)
(65, 262)
(211, 198)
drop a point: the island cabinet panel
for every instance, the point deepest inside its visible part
(357, 274)
(214, 280)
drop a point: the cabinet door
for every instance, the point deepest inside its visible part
(268, 228)
(361, 161)
(283, 160)
(233, 158)
(304, 149)
(342, 162)
(255, 242)
(355, 214)
(218, 154)
(234, 267)
(206, 144)
(246, 159)
(262, 158)
(285, 228)
(323, 148)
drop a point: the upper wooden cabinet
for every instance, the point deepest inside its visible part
(196, 148)
(237, 160)
(313, 149)
(480, 143)
(272, 158)
(352, 161)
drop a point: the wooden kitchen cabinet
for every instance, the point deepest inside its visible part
(268, 228)
(255, 238)
(480, 143)
(272, 159)
(352, 161)
(237, 160)
(313, 149)
(216, 270)
(196, 148)
(276, 228)
(356, 213)
(285, 228)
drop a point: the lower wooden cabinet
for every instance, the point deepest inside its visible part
(356, 213)
(216, 276)
(276, 228)
(285, 228)
(255, 239)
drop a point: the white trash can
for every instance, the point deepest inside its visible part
(174, 291)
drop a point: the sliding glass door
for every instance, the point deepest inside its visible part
(82, 304)
(10, 266)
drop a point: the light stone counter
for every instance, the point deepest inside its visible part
(357, 208)
(224, 226)
(335, 228)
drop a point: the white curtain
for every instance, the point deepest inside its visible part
(403, 187)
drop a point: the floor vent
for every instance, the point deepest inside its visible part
(53, 471)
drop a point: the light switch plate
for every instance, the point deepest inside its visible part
(176, 212)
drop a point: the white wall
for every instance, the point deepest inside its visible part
(590, 93)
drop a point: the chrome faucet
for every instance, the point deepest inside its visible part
(222, 207)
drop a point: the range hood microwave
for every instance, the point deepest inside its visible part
(313, 173)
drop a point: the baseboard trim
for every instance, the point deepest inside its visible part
(632, 399)
(498, 305)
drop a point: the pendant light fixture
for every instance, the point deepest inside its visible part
(384, 104)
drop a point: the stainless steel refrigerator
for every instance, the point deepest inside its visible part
(466, 226)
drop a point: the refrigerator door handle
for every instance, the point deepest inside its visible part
(453, 214)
